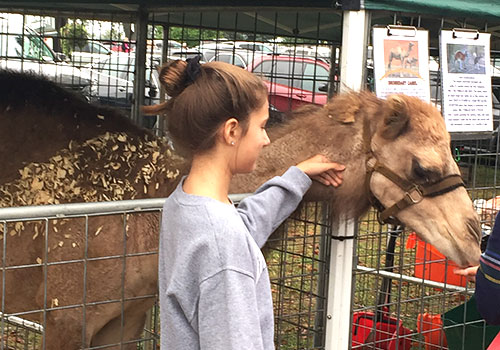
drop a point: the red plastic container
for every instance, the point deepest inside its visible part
(431, 327)
(387, 334)
(430, 264)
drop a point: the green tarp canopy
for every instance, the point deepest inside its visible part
(315, 19)
(465, 9)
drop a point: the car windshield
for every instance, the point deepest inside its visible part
(303, 75)
(27, 46)
(119, 66)
(94, 47)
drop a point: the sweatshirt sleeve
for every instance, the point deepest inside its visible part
(228, 312)
(273, 202)
(488, 278)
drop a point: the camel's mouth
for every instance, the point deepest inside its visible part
(467, 254)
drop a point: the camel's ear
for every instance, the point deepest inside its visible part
(397, 120)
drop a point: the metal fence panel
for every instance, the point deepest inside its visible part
(297, 256)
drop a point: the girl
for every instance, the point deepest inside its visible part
(214, 285)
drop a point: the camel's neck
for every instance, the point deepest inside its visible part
(322, 132)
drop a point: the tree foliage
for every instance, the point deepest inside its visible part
(113, 34)
(73, 34)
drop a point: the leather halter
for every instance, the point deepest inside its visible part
(414, 193)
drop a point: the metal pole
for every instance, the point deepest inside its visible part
(338, 311)
(140, 65)
(332, 86)
(319, 320)
(340, 280)
(353, 52)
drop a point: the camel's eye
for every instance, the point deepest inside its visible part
(421, 174)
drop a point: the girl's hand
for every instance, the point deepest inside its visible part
(321, 169)
(469, 272)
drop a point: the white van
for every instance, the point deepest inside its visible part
(23, 49)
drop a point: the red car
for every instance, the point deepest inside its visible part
(292, 81)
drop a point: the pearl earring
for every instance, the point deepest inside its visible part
(232, 143)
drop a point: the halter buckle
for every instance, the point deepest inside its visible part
(414, 194)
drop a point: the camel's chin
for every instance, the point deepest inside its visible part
(465, 255)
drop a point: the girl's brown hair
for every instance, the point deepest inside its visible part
(198, 108)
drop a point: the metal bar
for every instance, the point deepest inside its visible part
(4, 264)
(22, 322)
(124, 271)
(427, 283)
(45, 273)
(319, 322)
(84, 292)
(80, 209)
(140, 67)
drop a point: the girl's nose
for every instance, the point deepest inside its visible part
(268, 141)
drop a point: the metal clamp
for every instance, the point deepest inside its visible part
(465, 33)
(370, 164)
(404, 30)
(343, 238)
(414, 194)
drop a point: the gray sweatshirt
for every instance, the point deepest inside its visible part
(215, 292)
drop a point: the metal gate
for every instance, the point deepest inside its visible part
(296, 255)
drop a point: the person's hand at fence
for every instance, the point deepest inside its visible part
(321, 169)
(469, 272)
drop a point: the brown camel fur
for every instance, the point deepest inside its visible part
(405, 134)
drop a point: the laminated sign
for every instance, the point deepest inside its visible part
(466, 80)
(401, 61)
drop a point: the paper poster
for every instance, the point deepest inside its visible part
(466, 81)
(401, 62)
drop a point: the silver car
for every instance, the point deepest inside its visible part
(23, 49)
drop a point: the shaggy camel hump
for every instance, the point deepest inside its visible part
(38, 118)
(79, 153)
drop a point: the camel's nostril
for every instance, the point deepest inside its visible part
(475, 228)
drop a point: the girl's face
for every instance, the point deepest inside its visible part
(248, 147)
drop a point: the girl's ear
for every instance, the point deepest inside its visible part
(231, 131)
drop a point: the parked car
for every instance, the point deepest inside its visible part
(172, 45)
(114, 79)
(292, 81)
(254, 46)
(184, 54)
(316, 52)
(92, 51)
(23, 49)
(240, 58)
(236, 45)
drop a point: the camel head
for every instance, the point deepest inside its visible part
(412, 142)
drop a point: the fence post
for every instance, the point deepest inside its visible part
(338, 311)
(352, 78)
(353, 52)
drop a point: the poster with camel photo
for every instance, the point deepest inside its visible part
(401, 62)
(466, 81)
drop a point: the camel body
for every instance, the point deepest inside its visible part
(113, 258)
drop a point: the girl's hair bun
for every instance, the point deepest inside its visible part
(172, 77)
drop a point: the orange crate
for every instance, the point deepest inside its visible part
(430, 264)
